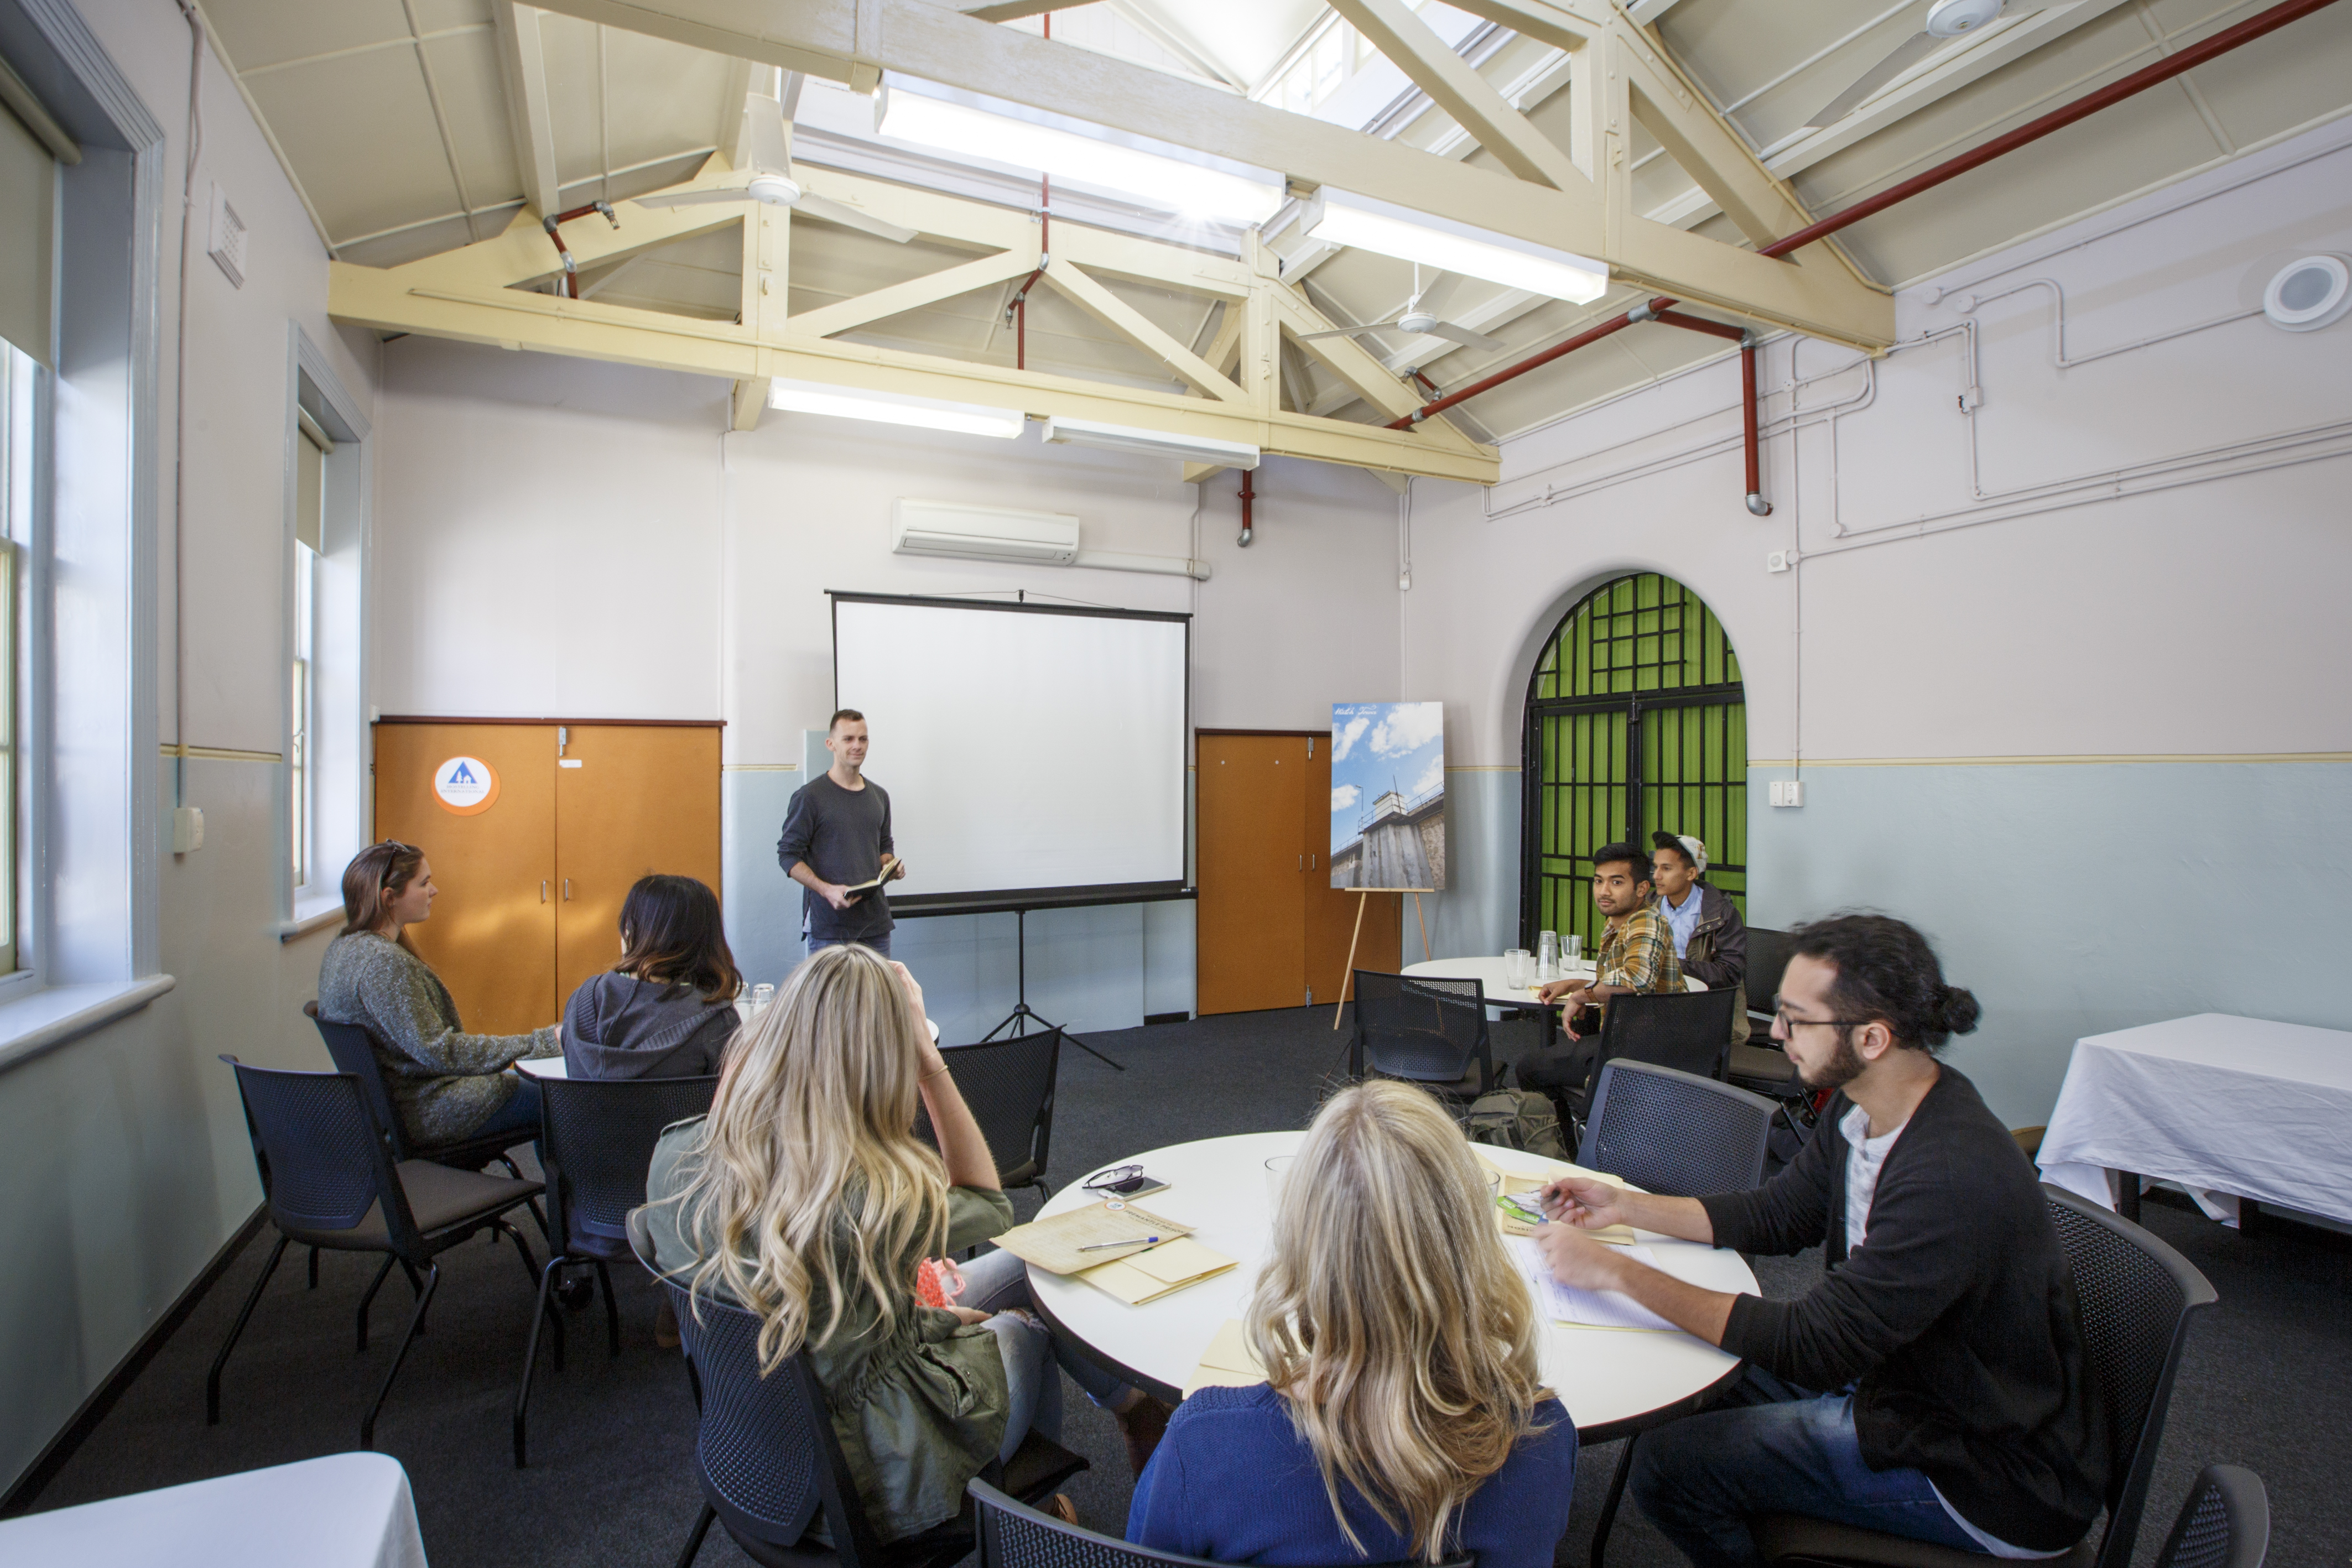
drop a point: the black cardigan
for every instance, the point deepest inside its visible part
(1957, 1317)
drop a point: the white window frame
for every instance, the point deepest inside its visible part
(90, 780)
(340, 808)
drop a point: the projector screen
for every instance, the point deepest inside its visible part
(1026, 748)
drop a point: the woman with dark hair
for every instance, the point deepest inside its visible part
(446, 1085)
(667, 1008)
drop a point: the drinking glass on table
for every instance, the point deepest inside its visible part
(1548, 955)
(1575, 947)
(1514, 968)
(1277, 1167)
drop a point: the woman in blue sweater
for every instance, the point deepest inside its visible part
(1402, 1416)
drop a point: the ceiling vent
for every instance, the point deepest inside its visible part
(2308, 292)
(982, 533)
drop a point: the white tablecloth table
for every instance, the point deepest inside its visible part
(2228, 1107)
(1609, 1379)
(346, 1511)
(1500, 993)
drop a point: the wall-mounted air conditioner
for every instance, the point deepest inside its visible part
(982, 533)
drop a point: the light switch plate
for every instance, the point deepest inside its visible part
(1787, 793)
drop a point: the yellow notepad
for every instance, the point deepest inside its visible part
(1514, 1185)
(1054, 1244)
(1157, 1271)
(1226, 1363)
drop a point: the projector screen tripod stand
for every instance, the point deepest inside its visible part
(1017, 1021)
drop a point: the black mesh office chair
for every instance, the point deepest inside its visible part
(600, 1137)
(1008, 1084)
(769, 1461)
(1015, 1535)
(2137, 1296)
(1760, 1064)
(1428, 1030)
(1689, 1031)
(1675, 1133)
(355, 1050)
(2225, 1523)
(330, 1183)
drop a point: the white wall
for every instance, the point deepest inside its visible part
(563, 538)
(123, 1151)
(2104, 593)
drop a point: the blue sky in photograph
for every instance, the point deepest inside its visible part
(1377, 746)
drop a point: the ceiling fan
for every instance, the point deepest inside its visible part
(1947, 20)
(768, 178)
(1420, 315)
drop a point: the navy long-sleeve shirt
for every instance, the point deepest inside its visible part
(1232, 1481)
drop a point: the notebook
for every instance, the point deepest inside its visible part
(1588, 1309)
(1514, 1184)
(1054, 1244)
(1228, 1362)
(1158, 1271)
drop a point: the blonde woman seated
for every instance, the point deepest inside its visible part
(1401, 1415)
(445, 1084)
(805, 1198)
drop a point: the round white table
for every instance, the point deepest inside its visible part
(1612, 1381)
(1500, 993)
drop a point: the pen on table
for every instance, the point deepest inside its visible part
(1130, 1242)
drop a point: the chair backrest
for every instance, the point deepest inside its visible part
(600, 1135)
(1015, 1535)
(1688, 1031)
(1009, 1086)
(352, 1050)
(2136, 1295)
(1768, 956)
(764, 1450)
(322, 1164)
(1418, 1027)
(2225, 1523)
(1675, 1133)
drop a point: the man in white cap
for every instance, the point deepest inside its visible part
(1710, 940)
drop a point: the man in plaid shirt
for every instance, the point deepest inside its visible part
(1637, 951)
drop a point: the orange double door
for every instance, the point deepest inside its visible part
(1273, 933)
(535, 833)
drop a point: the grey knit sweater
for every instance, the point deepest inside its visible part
(445, 1082)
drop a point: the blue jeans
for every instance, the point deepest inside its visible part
(879, 944)
(997, 1283)
(519, 1116)
(1776, 1450)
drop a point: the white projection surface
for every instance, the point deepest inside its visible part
(1022, 748)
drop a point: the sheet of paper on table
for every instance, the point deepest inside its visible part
(1054, 1244)
(1588, 1309)
(1514, 1185)
(1157, 1271)
(1228, 1362)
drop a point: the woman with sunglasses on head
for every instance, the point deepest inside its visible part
(667, 1008)
(805, 1198)
(446, 1085)
(1402, 1417)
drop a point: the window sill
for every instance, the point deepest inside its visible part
(55, 1014)
(310, 913)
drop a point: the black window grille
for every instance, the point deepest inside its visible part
(1636, 722)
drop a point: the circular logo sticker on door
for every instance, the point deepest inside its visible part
(466, 786)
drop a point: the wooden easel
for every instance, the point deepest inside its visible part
(1347, 976)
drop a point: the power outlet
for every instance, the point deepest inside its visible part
(1780, 560)
(187, 829)
(1787, 793)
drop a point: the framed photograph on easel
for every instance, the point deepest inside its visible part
(1388, 806)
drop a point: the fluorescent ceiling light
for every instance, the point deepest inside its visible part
(889, 408)
(1363, 222)
(1126, 438)
(1152, 179)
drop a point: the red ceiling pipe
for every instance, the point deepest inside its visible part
(2114, 92)
(1755, 501)
(1699, 324)
(1019, 309)
(2220, 42)
(553, 226)
(1247, 495)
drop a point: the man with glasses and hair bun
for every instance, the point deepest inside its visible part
(1935, 1384)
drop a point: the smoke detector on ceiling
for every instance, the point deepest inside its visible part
(2308, 292)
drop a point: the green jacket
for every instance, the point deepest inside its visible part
(919, 1413)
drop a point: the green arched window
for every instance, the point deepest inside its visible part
(1635, 723)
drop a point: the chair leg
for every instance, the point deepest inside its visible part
(1616, 1496)
(612, 1310)
(369, 1297)
(211, 1379)
(694, 1542)
(416, 1287)
(415, 1321)
(314, 1267)
(540, 1315)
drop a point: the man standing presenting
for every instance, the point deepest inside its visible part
(1935, 1384)
(837, 836)
(1710, 939)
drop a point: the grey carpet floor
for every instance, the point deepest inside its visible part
(2265, 1381)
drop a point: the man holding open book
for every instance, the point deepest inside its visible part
(837, 846)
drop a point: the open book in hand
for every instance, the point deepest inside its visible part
(859, 890)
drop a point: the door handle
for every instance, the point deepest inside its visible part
(567, 890)
(1310, 863)
(542, 890)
